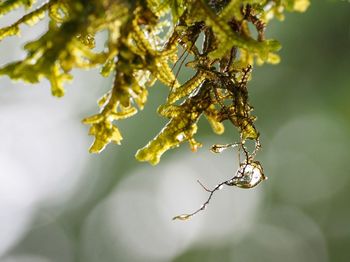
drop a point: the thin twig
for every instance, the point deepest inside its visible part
(205, 204)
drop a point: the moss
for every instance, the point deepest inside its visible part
(142, 47)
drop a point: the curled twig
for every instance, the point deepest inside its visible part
(249, 174)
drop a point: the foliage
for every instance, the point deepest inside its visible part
(144, 39)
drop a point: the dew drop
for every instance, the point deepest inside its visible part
(249, 175)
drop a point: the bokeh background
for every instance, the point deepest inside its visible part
(58, 203)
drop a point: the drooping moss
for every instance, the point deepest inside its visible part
(142, 46)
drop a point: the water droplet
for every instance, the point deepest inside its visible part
(249, 175)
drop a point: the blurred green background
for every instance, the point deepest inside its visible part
(60, 204)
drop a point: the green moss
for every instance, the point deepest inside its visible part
(139, 52)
